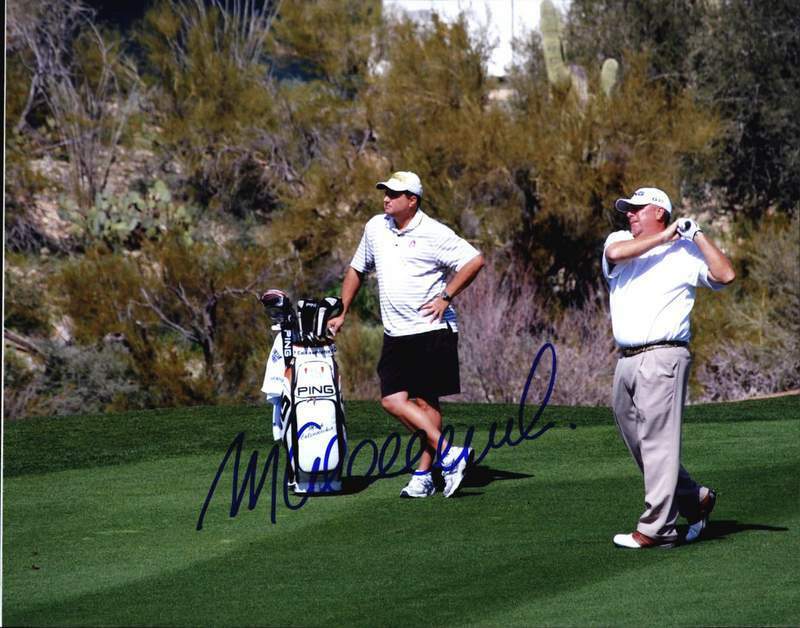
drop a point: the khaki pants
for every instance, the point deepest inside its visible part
(648, 397)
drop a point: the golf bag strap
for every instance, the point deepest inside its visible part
(292, 425)
(341, 439)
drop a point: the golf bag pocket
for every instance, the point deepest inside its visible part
(274, 386)
(315, 435)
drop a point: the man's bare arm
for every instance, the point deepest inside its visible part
(466, 275)
(350, 287)
(628, 249)
(720, 268)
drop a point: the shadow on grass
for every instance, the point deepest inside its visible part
(351, 485)
(477, 477)
(482, 475)
(721, 529)
(356, 483)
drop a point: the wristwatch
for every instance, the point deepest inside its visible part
(446, 296)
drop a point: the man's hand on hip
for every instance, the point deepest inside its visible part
(434, 309)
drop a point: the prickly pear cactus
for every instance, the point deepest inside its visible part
(127, 219)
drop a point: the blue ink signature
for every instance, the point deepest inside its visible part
(253, 485)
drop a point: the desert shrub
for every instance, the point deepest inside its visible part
(214, 99)
(26, 304)
(26, 132)
(315, 235)
(21, 385)
(431, 113)
(185, 310)
(597, 30)
(756, 89)
(504, 321)
(358, 351)
(719, 48)
(23, 233)
(327, 40)
(89, 379)
(71, 379)
(322, 52)
(760, 351)
(87, 83)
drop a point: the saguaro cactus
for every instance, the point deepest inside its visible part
(609, 76)
(552, 41)
(561, 75)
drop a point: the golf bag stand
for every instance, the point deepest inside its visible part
(302, 382)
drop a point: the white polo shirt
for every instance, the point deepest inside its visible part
(652, 295)
(412, 265)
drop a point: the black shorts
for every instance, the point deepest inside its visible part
(424, 365)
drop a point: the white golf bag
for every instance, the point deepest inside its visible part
(303, 384)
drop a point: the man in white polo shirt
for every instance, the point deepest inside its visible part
(653, 271)
(421, 266)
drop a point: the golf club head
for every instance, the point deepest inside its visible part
(307, 312)
(313, 317)
(278, 305)
(334, 307)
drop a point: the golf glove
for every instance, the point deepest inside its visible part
(688, 228)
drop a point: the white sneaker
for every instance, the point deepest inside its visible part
(421, 485)
(454, 466)
(637, 540)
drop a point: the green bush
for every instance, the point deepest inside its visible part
(328, 40)
(27, 305)
(596, 30)
(185, 311)
(746, 64)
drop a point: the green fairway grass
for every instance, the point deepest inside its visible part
(100, 516)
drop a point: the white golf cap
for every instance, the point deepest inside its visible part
(645, 196)
(402, 181)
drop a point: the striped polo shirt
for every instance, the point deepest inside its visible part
(412, 266)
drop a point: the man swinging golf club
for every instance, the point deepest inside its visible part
(421, 266)
(653, 271)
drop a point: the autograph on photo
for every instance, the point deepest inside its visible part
(383, 458)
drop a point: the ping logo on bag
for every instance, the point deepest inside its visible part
(287, 345)
(310, 391)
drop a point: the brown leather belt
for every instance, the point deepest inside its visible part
(628, 352)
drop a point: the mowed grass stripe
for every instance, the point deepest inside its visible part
(44, 444)
(524, 549)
